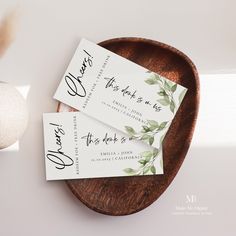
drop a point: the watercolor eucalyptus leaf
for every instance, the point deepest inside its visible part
(153, 169)
(146, 169)
(163, 125)
(155, 152)
(142, 161)
(166, 97)
(130, 130)
(130, 171)
(151, 81)
(163, 101)
(153, 128)
(167, 86)
(172, 106)
(173, 88)
(161, 93)
(145, 137)
(147, 154)
(151, 140)
(153, 123)
(145, 129)
(148, 158)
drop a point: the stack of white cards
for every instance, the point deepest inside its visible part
(125, 112)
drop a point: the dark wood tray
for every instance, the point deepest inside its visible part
(127, 195)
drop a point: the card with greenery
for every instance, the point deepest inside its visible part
(165, 92)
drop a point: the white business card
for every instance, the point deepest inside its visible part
(77, 147)
(120, 93)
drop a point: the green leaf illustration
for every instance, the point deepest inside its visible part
(153, 123)
(143, 162)
(163, 125)
(129, 171)
(145, 129)
(151, 140)
(155, 152)
(146, 155)
(174, 87)
(164, 102)
(167, 86)
(161, 93)
(130, 130)
(151, 81)
(153, 169)
(146, 169)
(153, 128)
(145, 137)
(172, 106)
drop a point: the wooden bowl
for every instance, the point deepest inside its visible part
(127, 195)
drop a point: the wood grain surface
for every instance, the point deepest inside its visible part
(126, 195)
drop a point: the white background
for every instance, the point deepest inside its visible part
(47, 35)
